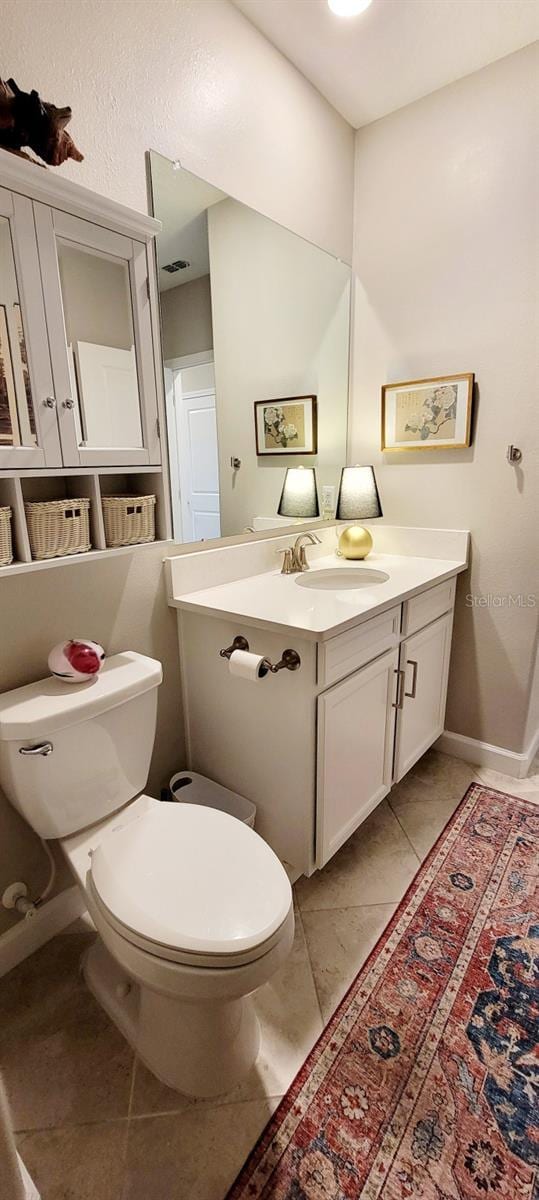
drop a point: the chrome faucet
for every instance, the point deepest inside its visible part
(295, 558)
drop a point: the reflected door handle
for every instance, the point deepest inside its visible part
(69, 403)
(411, 662)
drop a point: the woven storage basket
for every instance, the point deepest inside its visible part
(129, 519)
(6, 549)
(58, 527)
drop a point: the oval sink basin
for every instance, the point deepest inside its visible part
(347, 577)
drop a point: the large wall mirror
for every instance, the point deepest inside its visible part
(255, 334)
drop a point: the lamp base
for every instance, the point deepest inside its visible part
(355, 542)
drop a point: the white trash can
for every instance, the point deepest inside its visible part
(190, 788)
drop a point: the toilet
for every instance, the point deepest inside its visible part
(193, 909)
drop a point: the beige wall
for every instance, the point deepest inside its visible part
(196, 82)
(281, 320)
(445, 245)
(186, 318)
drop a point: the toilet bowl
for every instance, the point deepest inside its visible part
(194, 913)
(193, 909)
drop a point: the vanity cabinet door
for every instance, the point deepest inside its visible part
(95, 283)
(356, 721)
(424, 663)
(28, 425)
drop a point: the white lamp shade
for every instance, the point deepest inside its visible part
(358, 495)
(299, 497)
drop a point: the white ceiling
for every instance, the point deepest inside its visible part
(396, 51)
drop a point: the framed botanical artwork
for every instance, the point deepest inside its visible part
(428, 414)
(286, 426)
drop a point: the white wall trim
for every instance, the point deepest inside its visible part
(190, 360)
(30, 933)
(483, 754)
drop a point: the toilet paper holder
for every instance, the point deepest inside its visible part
(290, 660)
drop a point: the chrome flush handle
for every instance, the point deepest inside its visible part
(44, 748)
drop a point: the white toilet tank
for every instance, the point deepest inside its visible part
(92, 744)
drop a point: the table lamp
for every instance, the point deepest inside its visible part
(299, 497)
(358, 497)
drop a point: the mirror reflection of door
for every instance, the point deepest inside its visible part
(193, 453)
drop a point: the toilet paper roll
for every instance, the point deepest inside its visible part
(247, 666)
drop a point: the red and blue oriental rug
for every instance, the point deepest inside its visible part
(425, 1083)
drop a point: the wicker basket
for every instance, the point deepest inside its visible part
(6, 549)
(129, 519)
(58, 527)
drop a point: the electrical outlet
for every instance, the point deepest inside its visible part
(328, 500)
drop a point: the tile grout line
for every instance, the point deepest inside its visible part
(197, 1106)
(408, 839)
(351, 907)
(132, 1087)
(311, 967)
(28, 1132)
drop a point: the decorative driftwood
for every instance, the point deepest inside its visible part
(27, 120)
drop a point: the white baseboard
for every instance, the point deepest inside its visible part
(485, 755)
(32, 932)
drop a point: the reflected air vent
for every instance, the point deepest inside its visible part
(180, 264)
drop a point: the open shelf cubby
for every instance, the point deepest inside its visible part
(18, 488)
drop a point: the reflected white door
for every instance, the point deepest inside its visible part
(107, 379)
(198, 462)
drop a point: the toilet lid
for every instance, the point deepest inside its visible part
(192, 878)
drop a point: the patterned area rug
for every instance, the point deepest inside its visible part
(424, 1084)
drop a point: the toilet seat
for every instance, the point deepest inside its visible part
(192, 885)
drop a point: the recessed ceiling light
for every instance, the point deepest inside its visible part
(348, 8)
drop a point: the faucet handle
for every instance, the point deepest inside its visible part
(288, 567)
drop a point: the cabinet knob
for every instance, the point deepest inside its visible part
(69, 403)
(50, 402)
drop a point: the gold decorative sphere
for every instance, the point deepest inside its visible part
(355, 542)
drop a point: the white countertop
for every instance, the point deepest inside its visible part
(276, 601)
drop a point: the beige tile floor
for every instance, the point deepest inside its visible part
(93, 1124)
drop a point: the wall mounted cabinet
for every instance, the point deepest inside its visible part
(80, 358)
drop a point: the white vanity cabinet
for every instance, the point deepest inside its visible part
(375, 725)
(354, 752)
(422, 688)
(317, 749)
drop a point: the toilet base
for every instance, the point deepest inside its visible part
(200, 1048)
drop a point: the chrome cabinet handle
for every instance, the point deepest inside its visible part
(411, 662)
(69, 403)
(44, 748)
(399, 699)
(49, 402)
